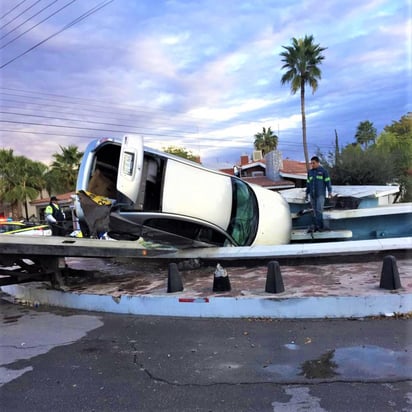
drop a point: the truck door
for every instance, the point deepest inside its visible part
(129, 174)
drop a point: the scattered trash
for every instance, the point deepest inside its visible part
(220, 271)
(292, 346)
(117, 299)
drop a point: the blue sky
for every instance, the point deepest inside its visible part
(200, 74)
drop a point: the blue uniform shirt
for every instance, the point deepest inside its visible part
(317, 183)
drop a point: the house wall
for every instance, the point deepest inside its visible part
(249, 172)
(6, 209)
(16, 211)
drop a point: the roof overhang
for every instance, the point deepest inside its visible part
(297, 176)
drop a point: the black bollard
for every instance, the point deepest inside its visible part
(174, 280)
(221, 282)
(390, 275)
(274, 281)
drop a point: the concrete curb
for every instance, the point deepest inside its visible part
(219, 307)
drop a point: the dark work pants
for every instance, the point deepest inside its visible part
(317, 206)
(58, 229)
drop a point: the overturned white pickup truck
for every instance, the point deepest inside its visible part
(132, 191)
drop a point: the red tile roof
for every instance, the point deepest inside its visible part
(64, 198)
(294, 167)
(228, 171)
(266, 182)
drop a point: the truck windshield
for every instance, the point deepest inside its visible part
(245, 214)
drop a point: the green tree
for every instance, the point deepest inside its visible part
(301, 61)
(362, 167)
(388, 160)
(365, 134)
(21, 179)
(181, 152)
(402, 127)
(396, 142)
(52, 180)
(266, 140)
(63, 172)
(6, 172)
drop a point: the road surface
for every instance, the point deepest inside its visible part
(67, 360)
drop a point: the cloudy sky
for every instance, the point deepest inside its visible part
(200, 74)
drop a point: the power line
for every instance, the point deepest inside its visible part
(25, 21)
(88, 103)
(114, 112)
(287, 143)
(50, 134)
(36, 25)
(202, 143)
(109, 111)
(165, 129)
(83, 128)
(168, 132)
(91, 103)
(62, 111)
(71, 119)
(67, 26)
(90, 107)
(14, 8)
(16, 17)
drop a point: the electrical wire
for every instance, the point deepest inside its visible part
(67, 26)
(156, 121)
(161, 133)
(16, 17)
(14, 8)
(90, 107)
(202, 143)
(42, 98)
(25, 21)
(72, 120)
(158, 131)
(36, 25)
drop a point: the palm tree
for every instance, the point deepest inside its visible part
(266, 141)
(365, 134)
(6, 173)
(63, 172)
(20, 179)
(301, 62)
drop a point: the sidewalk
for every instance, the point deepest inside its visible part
(310, 291)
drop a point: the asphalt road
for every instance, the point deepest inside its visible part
(67, 360)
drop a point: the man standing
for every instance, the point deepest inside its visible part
(55, 217)
(317, 183)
